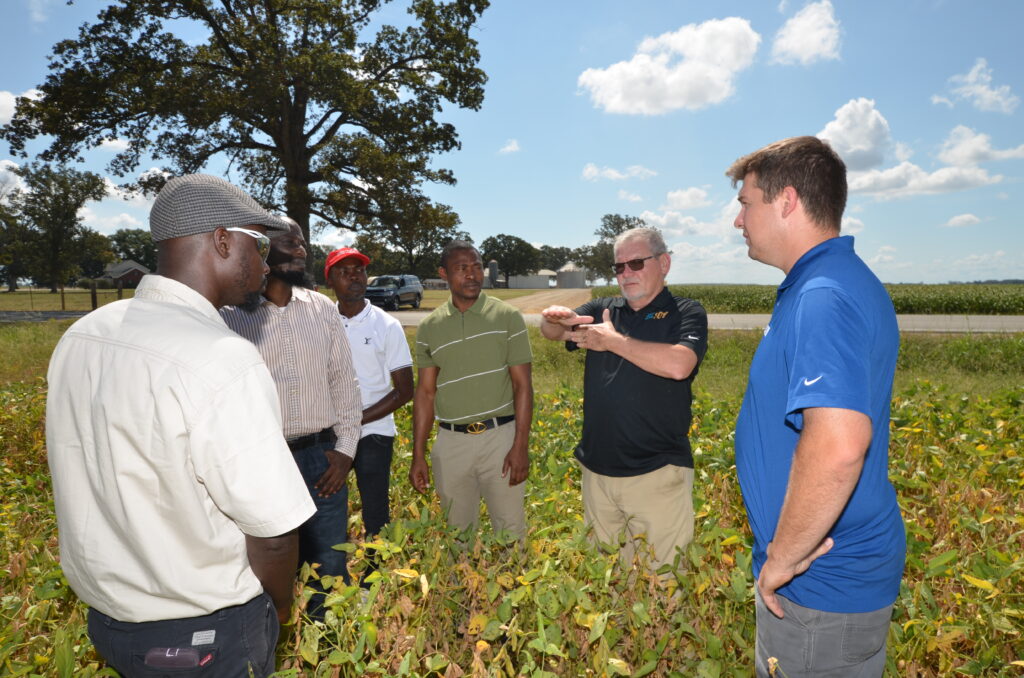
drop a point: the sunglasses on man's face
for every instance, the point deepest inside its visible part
(634, 264)
(262, 241)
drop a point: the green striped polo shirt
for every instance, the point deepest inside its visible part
(473, 351)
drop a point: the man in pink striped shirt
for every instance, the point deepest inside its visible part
(301, 338)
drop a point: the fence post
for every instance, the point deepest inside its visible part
(62, 306)
(92, 293)
(120, 288)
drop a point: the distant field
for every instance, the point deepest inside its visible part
(43, 300)
(434, 298)
(951, 299)
(79, 300)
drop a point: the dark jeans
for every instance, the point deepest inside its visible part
(325, 528)
(373, 476)
(225, 643)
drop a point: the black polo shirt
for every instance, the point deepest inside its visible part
(635, 422)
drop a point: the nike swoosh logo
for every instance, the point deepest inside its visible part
(690, 336)
(811, 382)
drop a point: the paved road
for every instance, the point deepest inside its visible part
(531, 305)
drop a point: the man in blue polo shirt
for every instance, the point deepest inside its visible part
(812, 438)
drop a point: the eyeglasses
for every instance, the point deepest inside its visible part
(634, 264)
(262, 241)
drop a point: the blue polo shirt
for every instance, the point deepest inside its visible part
(832, 342)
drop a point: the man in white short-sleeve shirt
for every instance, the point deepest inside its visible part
(383, 363)
(176, 497)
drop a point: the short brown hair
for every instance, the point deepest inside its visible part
(809, 165)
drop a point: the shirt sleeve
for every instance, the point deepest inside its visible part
(829, 365)
(396, 347)
(519, 351)
(240, 457)
(423, 357)
(693, 327)
(344, 388)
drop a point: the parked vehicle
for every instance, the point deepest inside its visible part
(391, 291)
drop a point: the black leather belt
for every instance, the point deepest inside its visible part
(325, 436)
(477, 426)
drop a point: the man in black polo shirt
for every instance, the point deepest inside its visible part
(643, 349)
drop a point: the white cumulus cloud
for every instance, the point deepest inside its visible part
(687, 199)
(114, 145)
(908, 179)
(983, 262)
(859, 133)
(852, 226)
(8, 102)
(108, 224)
(965, 147)
(630, 197)
(976, 87)
(511, 146)
(812, 34)
(691, 68)
(961, 220)
(9, 181)
(592, 172)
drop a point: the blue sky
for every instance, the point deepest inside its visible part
(639, 107)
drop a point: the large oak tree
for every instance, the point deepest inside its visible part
(323, 109)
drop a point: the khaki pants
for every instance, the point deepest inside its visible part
(467, 467)
(657, 506)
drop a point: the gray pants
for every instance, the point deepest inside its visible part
(810, 642)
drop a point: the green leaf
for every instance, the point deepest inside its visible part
(938, 564)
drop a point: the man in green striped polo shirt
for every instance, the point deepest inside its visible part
(473, 366)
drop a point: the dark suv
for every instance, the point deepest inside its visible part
(391, 291)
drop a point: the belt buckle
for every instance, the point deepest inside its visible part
(476, 428)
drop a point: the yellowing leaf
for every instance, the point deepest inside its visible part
(980, 583)
(506, 581)
(482, 646)
(730, 540)
(477, 624)
(406, 573)
(618, 667)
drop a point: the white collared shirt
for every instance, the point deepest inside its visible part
(164, 442)
(378, 348)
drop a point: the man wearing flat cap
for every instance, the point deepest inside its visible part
(383, 363)
(177, 499)
(301, 338)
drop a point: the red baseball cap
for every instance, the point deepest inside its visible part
(344, 253)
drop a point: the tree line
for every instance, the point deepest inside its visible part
(43, 238)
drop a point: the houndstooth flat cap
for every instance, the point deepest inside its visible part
(200, 203)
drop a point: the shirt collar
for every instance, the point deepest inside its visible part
(362, 315)
(476, 308)
(842, 243)
(298, 294)
(155, 287)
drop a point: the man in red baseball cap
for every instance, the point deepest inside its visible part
(383, 363)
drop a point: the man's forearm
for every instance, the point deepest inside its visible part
(826, 468)
(672, 361)
(274, 561)
(422, 422)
